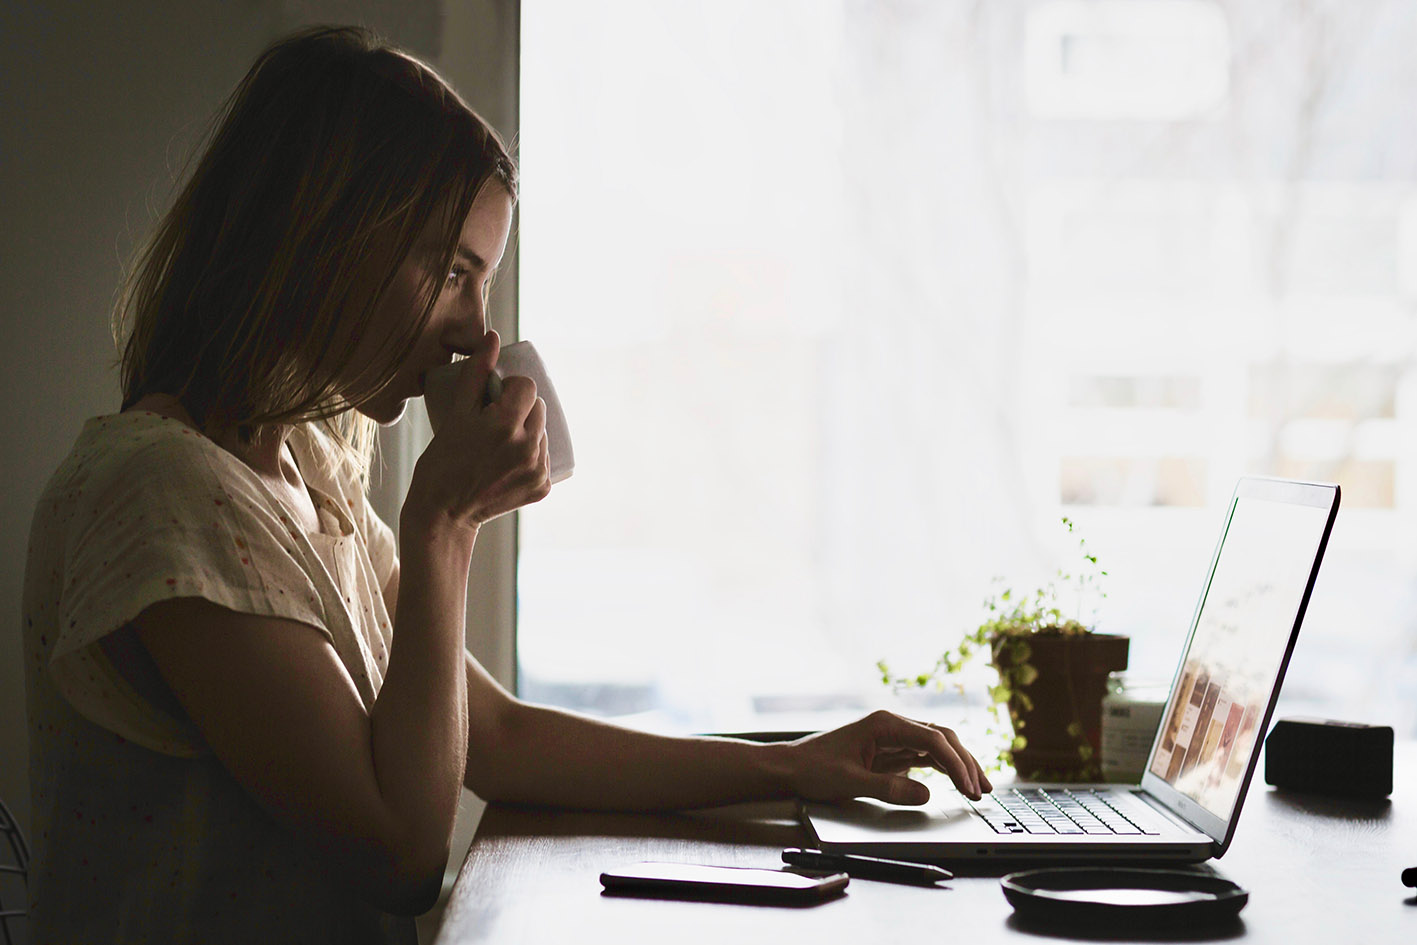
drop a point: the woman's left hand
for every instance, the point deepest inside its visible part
(870, 758)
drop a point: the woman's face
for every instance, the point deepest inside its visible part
(458, 324)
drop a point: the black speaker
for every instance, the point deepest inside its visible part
(1326, 757)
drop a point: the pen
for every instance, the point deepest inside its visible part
(866, 867)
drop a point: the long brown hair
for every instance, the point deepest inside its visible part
(327, 162)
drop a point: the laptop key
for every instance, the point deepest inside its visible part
(1041, 811)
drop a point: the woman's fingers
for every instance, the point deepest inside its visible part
(980, 779)
(472, 379)
(899, 760)
(498, 461)
(872, 756)
(896, 760)
(899, 732)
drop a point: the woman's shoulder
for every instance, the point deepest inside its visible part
(127, 477)
(138, 453)
(140, 442)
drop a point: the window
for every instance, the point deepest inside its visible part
(850, 303)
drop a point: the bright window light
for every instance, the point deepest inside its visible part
(849, 303)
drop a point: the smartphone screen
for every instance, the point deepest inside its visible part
(725, 883)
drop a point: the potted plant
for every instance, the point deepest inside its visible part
(1052, 672)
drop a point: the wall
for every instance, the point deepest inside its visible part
(99, 105)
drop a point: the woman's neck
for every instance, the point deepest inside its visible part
(263, 452)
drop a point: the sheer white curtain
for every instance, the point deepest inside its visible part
(480, 54)
(480, 58)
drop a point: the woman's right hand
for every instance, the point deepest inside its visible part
(486, 459)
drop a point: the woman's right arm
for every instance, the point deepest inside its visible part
(375, 791)
(367, 790)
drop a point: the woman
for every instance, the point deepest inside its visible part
(251, 718)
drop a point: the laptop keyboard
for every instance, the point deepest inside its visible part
(1044, 811)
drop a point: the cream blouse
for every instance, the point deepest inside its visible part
(140, 835)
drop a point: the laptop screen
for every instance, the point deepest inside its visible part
(1237, 649)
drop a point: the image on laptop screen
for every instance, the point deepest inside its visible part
(1210, 727)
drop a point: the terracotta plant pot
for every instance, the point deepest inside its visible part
(1060, 710)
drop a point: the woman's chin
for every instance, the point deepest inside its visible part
(385, 413)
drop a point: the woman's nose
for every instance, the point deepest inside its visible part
(466, 333)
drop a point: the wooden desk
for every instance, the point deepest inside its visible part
(1318, 870)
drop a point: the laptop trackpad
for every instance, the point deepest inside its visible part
(866, 820)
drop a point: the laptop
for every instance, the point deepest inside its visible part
(1204, 752)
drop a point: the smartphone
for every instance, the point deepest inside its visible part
(723, 883)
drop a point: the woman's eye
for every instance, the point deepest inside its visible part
(456, 276)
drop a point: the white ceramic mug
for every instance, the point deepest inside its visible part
(515, 360)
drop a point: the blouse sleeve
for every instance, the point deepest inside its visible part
(166, 521)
